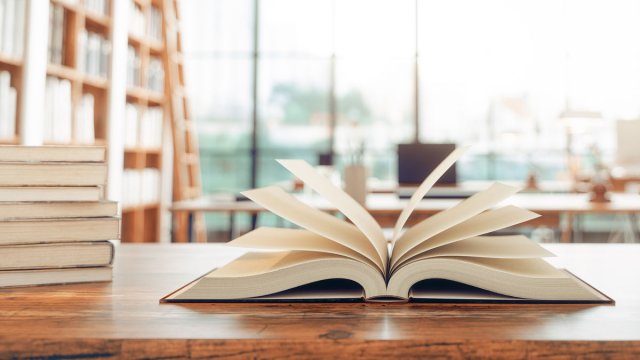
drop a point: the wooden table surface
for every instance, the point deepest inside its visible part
(125, 319)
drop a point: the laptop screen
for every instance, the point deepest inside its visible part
(416, 161)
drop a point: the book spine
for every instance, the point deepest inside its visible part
(2, 15)
(57, 29)
(9, 125)
(140, 187)
(57, 124)
(81, 52)
(8, 27)
(133, 67)
(84, 127)
(154, 28)
(8, 105)
(105, 50)
(136, 20)
(18, 41)
(131, 126)
(64, 125)
(155, 75)
(5, 79)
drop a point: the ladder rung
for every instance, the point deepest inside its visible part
(189, 126)
(178, 91)
(184, 125)
(191, 192)
(190, 158)
(178, 59)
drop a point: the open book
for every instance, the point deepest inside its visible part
(442, 258)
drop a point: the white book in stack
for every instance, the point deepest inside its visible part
(8, 105)
(54, 226)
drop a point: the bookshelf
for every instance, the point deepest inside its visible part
(77, 84)
(80, 86)
(12, 29)
(144, 119)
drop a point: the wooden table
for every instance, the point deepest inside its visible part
(124, 318)
(386, 208)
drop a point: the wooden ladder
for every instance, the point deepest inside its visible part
(187, 183)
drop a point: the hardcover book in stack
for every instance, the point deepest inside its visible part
(54, 226)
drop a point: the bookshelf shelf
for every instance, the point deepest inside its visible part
(63, 72)
(136, 41)
(96, 22)
(10, 62)
(155, 47)
(141, 94)
(12, 141)
(95, 82)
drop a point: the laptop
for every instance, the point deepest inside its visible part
(417, 160)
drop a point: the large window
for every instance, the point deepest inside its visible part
(296, 78)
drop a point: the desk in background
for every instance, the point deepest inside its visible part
(386, 207)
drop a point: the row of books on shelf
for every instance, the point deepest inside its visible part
(140, 187)
(59, 125)
(155, 71)
(55, 54)
(8, 106)
(92, 51)
(98, 7)
(93, 54)
(145, 25)
(12, 22)
(134, 64)
(49, 232)
(155, 75)
(143, 127)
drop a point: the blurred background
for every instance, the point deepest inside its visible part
(533, 86)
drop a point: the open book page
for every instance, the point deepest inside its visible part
(257, 274)
(506, 247)
(523, 278)
(424, 188)
(446, 219)
(288, 207)
(483, 223)
(266, 238)
(343, 202)
(256, 263)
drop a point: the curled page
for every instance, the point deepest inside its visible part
(286, 206)
(486, 222)
(446, 219)
(499, 247)
(343, 202)
(266, 238)
(424, 188)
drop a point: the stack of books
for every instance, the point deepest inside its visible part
(54, 226)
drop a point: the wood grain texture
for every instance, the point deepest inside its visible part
(124, 318)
